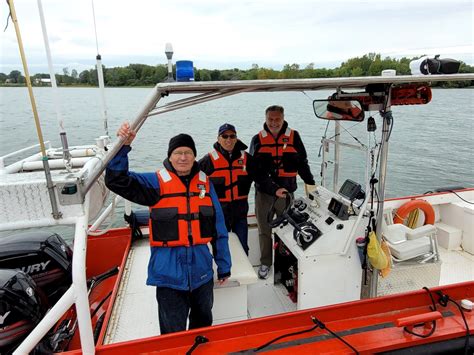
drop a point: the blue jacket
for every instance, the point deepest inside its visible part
(180, 268)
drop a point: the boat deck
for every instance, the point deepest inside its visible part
(136, 312)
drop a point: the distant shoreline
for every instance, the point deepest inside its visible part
(143, 75)
(152, 86)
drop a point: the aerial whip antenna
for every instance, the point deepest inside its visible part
(49, 183)
(100, 76)
(62, 132)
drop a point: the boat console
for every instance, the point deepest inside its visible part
(315, 245)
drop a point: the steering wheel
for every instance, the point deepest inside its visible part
(275, 222)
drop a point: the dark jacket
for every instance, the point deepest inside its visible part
(267, 167)
(181, 268)
(238, 209)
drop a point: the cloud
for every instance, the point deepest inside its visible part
(225, 34)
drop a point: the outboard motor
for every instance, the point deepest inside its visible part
(44, 256)
(22, 305)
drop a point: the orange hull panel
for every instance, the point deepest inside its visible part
(368, 325)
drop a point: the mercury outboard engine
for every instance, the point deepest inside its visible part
(22, 305)
(44, 256)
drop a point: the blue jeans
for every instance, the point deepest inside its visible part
(174, 306)
(240, 227)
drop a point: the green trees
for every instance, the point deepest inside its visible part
(371, 64)
(15, 77)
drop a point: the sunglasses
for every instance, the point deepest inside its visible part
(231, 136)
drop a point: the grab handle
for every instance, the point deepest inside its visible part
(419, 319)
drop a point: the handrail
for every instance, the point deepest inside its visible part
(140, 118)
(16, 152)
(149, 111)
(12, 154)
(77, 294)
(107, 212)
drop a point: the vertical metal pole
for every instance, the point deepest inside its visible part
(169, 56)
(62, 132)
(325, 145)
(49, 183)
(100, 77)
(79, 281)
(387, 122)
(337, 154)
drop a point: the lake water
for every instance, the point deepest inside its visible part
(431, 145)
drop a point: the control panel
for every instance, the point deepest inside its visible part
(315, 245)
(319, 221)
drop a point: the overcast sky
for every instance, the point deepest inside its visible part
(226, 34)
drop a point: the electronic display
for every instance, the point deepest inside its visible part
(351, 190)
(338, 209)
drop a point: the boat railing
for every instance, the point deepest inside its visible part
(108, 211)
(77, 294)
(79, 157)
(29, 190)
(21, 151)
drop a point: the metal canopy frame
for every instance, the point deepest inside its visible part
(211, 90)
(303, 84)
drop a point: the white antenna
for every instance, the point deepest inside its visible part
(169, 55)
(100, 76)
(62, 132)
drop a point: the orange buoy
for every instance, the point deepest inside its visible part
(412, 205)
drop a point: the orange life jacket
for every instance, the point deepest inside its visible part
(336, 113)
(280, 150)
(230, 174)
(182, 217)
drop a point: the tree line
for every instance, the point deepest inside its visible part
(370, 64)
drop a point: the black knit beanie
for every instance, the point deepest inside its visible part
(181, 140)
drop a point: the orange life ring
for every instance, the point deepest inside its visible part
(412, 205)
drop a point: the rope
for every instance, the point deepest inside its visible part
(413, 218)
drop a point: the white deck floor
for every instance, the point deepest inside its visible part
(457, 266)
(136, 312)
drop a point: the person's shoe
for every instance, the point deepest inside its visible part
(263, 272)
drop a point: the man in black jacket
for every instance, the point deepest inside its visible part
(232, 170)
(281, 155)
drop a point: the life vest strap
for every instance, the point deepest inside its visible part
(188, 216)
(183, 194)
(227, 168)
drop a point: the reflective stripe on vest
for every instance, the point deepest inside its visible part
(230, 173)
(182, 217)
(278, 148)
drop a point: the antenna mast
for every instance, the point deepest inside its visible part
(100, 76)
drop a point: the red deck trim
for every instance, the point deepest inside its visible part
(250, 334)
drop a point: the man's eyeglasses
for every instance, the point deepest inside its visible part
(231, 136)
(186, 153)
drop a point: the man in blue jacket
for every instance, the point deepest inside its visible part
(185, 215)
